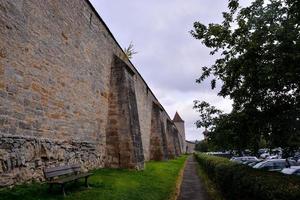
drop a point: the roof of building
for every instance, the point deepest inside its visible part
(191, 142)
(177, 118)
(205, 132)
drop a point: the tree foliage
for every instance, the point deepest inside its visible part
(208, 114)
(259, 68)
(206, 146)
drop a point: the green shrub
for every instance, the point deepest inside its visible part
(239, 182)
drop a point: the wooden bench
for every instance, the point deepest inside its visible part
(64, 174)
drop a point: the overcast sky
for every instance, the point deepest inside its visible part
(168, 58)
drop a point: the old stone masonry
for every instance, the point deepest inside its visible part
(68, 94)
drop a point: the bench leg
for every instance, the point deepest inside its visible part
(63, 189)
(86, 182)
(50, 188)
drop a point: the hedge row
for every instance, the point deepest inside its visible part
(239, 182)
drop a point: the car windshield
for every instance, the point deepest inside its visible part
(259, 164)
(251, 158)
(280, 164)
(292, 163)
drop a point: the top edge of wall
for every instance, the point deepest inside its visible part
(134, 68)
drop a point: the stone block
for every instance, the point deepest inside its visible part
(24, 125)
(11, 89)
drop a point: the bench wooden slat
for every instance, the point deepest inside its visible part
(76, 168)
(70, 178)
(61, 170)
(59, 173)
(51, 169)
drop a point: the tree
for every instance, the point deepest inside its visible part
(208, 114)
(226, 131)
(258, 67)
(202, 146)
(129, 51)
(206, 146)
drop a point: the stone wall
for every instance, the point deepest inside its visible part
(24, 158)
(158, 141)
(123, 136)
(68, 94)
(173, 141)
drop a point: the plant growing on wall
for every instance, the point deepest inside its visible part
(129, 51)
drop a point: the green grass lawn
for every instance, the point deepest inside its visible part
(156, 182)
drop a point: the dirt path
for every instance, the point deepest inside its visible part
(191, 187)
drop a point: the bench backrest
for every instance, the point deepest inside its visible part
(61, 170)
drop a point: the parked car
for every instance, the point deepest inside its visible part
(273, 157)
(275, 164)
(297, 157)
(261, 151)
(248, 162)
(264, 155)
(246, 152)
(244, 159)
(277, 151)
(251, 164)
(293, 170)
(272, 153)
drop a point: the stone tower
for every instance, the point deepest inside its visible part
(179, 123)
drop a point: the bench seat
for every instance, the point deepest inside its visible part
(69, 178)
(63, 174)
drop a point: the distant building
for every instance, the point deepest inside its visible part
(190, 146)
(205, 133)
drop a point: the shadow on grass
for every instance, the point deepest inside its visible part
(40, 190)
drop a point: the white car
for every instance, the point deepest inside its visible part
(264, 155)
(274, 164)
(293, 170)
(273, 157)
(244, 158)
